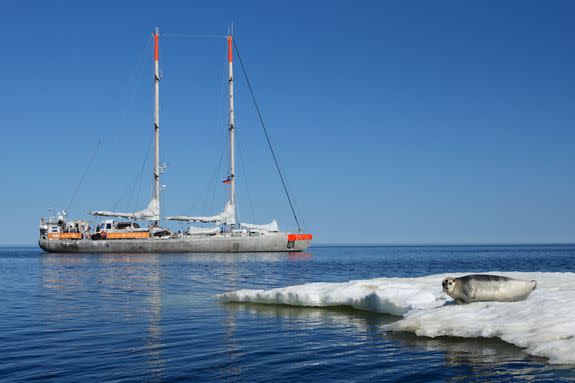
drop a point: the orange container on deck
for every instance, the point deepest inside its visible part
(128, 235)
(64, 235)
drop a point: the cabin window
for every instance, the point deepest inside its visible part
(108, 226)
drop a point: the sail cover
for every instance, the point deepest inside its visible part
(151, 213)
(272, 226)
(227, 217)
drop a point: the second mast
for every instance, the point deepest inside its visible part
(232, 176)
(157, 120)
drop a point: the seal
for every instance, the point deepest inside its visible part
(482, 287)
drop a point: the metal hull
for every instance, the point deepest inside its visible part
(215, 244)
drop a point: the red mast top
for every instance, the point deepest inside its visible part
(229, 48)
(156, 51)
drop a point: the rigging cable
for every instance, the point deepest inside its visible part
(133, 190)
(183, 35)
(267, 136)
(92, 157)
(84, 174)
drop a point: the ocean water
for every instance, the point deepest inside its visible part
(156, 318)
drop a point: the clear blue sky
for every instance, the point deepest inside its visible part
(395, 122)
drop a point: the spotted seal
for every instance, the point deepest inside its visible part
(481, 287)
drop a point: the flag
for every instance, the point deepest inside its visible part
(228, 180)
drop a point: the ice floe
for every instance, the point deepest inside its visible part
(543, 324)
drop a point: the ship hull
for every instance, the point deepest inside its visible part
(278, 242)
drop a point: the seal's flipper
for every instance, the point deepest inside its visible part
(470, 291)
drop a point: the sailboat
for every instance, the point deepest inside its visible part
(120, 233)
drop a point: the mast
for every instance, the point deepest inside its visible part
(232, 198)
(156, 35)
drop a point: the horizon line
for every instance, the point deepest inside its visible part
(398, 244)
(444, 244)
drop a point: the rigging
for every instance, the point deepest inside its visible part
(83, 175)
(267, 137)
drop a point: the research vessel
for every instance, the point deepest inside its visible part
(141, 231)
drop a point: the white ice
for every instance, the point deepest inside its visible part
(543, 324)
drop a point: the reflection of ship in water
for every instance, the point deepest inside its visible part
(301, 255)
(233, 368)
(124, 295)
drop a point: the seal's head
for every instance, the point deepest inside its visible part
(448, 285)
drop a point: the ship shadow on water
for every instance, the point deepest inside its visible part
(479, 359)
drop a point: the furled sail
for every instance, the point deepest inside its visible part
(272, 226)
(151, 213)
(227, 217)
(193, 230)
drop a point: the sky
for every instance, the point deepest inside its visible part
(404, 122)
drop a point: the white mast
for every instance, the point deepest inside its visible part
(232, 175)
(152, 212)
(157, 121)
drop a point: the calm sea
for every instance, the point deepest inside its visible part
(155, 318)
